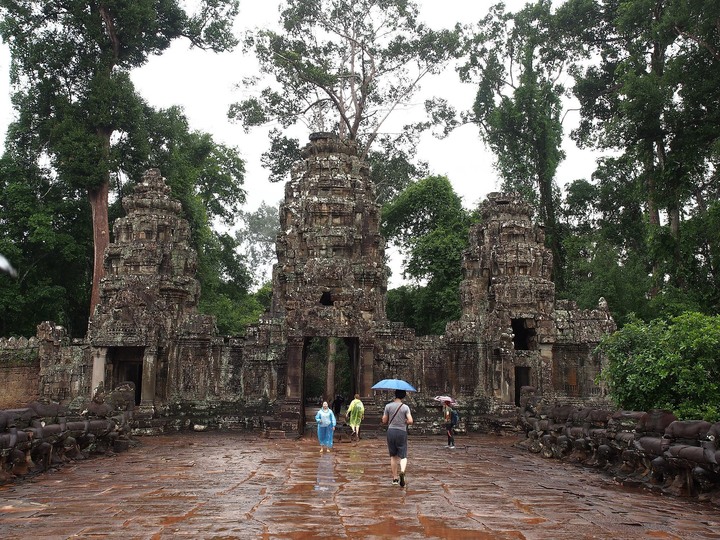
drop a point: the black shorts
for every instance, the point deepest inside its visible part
(397, 443)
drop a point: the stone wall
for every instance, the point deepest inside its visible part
(44, 434)
(329, 283)
(19, 371)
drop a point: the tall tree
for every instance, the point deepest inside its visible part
(603, 242)
(45, 232)
(429, 224)
(256, 237)
(648, 91)
(342, 66)
(70, 74)
(207, 178)
(46, 224)
(517, 64)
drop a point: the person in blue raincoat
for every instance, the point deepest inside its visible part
(325, 419)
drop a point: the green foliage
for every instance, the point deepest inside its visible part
(426, 309)
(393, 165)
(203, 174)
(671, 364)
(316, 363)
(78, 110)
(595, 269)
(226, 282)
(429, 224)
(233, 312)
(45, 233)
(647, 90)
(264, 295)
(284, 152)
(341, 66)
(516, 60)
(603, 242)
(256, 238)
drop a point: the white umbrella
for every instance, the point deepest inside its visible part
(6, 267)
(445, 399)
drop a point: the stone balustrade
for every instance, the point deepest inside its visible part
(649, 449)
(44, 434)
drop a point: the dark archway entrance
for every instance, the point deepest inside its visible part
(522, 378)
(331, 366)
(127, 365)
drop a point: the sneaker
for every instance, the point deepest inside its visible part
(402, 479)
(395, 482)
(451, 446)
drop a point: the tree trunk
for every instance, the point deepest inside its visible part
(653, 215)
(330, 381)
(101, 237)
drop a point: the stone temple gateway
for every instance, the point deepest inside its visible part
(329, 283)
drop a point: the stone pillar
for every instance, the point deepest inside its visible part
(294, 367)
(545, 377)
(367, 360)
(99, 356)
(149, 374)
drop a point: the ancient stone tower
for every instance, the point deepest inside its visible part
(148, 297)
(524, 337)
(329, 284)
(330, 279)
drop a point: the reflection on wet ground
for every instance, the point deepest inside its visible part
(238, 485)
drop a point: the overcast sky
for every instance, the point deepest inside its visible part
(205, 84)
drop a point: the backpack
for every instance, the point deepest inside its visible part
(454, 417)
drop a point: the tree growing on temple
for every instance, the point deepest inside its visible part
(76, 104)
(517, 64)
(342, 66)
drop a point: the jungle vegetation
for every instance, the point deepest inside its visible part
(643, 231)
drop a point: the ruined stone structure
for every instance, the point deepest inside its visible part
(651, 449)
(148, 299)
(330, 279)
(329, 282)
(512, 332)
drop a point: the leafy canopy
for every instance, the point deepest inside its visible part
(670, 364)
(429, 224)
(343, 66)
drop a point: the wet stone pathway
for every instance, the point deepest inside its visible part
(239, 485)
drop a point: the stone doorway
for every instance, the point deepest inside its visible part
(127, 365)
(524, 336)
(522, 378)
(331, 366)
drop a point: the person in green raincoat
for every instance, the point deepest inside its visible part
(354, 415)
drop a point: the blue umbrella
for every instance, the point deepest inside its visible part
(393, 384)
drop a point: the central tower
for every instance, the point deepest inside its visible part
(330, 279)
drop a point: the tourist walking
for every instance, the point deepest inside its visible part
(398, 417)
(355, 414)
(325, 419)
(337, 405)
(449, 423)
